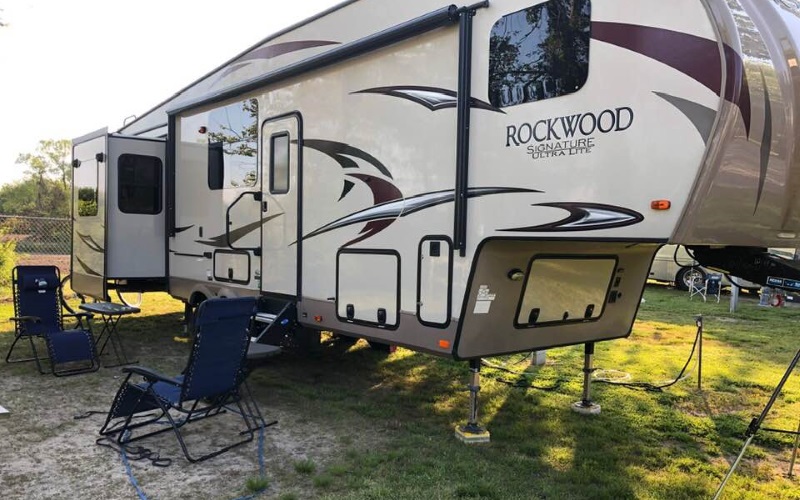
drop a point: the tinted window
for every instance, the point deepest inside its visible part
(540, 52)
(279, 163)
(233, 145)
(139, 186)
(85, 180)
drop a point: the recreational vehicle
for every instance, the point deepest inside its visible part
(472, 180)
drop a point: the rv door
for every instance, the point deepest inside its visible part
(88, 259)
(281, 165)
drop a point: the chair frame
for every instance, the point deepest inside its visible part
(191, 410)
(22, 320)
(700, 286)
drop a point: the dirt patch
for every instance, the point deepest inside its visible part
(47, 453)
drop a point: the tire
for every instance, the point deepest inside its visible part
(344, 340)
(685, 276)
(130, 299)
(381, 347)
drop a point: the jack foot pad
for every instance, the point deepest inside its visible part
(469, 434)
(586, 408)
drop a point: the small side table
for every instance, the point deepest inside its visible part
(110, 313)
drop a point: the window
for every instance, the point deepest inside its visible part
(139, 184)
(540, 52)
(279, 163)
(565, 290)
(85, 179)
(233, 145)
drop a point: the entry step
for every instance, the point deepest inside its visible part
(262, 351)
(263, 317)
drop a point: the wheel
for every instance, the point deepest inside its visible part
(70, 299)
(381, 347)
(345, 340)
(687, 275)
(131, 299)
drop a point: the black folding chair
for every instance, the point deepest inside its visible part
(38, 315)
(212, 382)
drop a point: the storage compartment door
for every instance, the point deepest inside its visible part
(368, 287)
(231, 266)
(434, 281)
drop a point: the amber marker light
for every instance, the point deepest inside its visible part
(444, 344)
(318, 319)
(660, 204)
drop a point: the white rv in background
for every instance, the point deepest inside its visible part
(474, 180)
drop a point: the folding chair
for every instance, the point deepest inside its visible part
(211, 383)
(37, 314)
(710, 285)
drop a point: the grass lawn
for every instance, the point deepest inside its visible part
(355, 423)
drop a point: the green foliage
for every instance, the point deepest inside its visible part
(8, 257)
(35, 198)
(87, 201)
(45, 191)
(256, 484)
(305, 467)
(51, 159)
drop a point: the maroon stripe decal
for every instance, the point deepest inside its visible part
(280, 49)
(693, 56)
(382, 191)
(271, 51)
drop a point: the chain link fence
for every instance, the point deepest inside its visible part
(34, 241)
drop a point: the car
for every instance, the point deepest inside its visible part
(673, 264)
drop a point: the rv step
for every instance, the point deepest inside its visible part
(261, 351)
(265, 318)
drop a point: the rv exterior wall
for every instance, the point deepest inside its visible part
(562, 166)
(135, 234)
(89, 215)
(746, 192)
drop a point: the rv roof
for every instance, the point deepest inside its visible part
(125, 129)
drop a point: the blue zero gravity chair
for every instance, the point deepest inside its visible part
(37, 314)
(210, 384)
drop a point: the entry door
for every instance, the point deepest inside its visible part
(281, 166)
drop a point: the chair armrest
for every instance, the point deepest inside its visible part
(78, 315)
(150, 375)
(35, 319)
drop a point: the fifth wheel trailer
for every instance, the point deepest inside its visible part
(476, 180)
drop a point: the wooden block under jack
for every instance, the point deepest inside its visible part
(468, 435)
(586, 408)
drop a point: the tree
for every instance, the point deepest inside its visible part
(45, 190)
(51, 159)
(30, 197)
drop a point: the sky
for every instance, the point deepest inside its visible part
(69, 67)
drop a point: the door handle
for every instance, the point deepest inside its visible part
(264, 206)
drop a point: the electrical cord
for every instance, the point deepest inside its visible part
(522, 383)
(675, 259)
(647, 386)
(130, 453)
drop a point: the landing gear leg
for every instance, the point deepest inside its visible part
(472, 433)
(586, 406)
